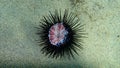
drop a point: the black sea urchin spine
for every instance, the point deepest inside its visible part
(73, 38)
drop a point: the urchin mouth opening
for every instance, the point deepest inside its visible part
(58, 34)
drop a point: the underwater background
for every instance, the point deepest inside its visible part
(18, 46)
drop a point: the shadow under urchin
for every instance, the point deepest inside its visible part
(60, 35)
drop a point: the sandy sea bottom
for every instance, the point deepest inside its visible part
(18, 46)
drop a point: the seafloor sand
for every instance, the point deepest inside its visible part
(18, 48)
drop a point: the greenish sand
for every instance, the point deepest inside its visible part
(18, 19)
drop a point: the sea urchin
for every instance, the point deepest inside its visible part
(60, 34)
